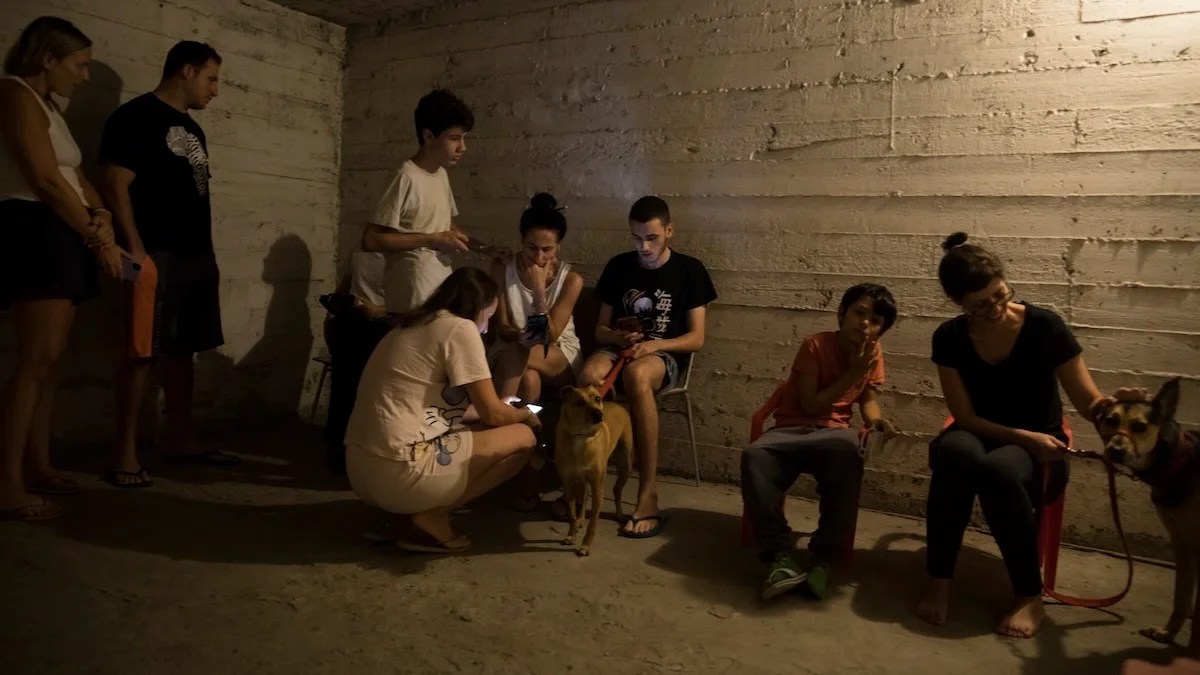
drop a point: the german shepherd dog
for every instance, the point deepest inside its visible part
(1144, 437)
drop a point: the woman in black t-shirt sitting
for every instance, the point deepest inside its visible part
(999, 364)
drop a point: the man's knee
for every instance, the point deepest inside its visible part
(640, 381)
(594, 370)
(756, 464)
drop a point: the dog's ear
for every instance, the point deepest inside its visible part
(562, 393)
(1166, 401)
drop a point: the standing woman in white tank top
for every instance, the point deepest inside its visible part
(537, 281)
(54, 234)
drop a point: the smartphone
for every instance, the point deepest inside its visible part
(534, 408)
(629, 324)
(131, 269)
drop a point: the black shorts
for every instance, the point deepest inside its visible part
(187, 305)
(43, 258)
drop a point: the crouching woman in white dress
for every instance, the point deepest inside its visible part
(409, 450)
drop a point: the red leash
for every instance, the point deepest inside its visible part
(609, 380)
(1098, 603)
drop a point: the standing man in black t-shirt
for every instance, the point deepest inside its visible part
(156, 178)
(653, 300)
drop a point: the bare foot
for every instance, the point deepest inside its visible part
(934, 603)
(642, 521)
(436, 524)
(1024, 619)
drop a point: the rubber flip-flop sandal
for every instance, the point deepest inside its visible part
(34, 513)
(141, 479)
(453, 545)
(653, 532)
(207, 458)
(56, 486)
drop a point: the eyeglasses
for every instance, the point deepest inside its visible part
(984, 307)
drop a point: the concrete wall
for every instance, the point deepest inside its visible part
(806, 145)
(274, 145)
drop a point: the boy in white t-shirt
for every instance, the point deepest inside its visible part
(413, 225)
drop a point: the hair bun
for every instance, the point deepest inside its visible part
(956, 239)
(543, 200)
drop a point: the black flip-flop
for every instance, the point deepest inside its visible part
(653, 532)
(142, 479)
(207, 458)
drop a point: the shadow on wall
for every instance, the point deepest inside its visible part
(269, 379)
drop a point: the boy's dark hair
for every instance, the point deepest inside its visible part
(440, 110)
(647, 209)
(882, 302)
(188, 53)
(543, 213)
(465, 293)
(966, 268)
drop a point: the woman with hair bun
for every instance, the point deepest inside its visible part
(1000, 363)
(538, 346)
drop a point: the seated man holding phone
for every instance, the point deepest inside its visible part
(653, 302)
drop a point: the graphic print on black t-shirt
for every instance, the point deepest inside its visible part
(186, 145)
(659, 298)
(653, 314)
(168, 154)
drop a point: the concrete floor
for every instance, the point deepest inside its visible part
(261, 569)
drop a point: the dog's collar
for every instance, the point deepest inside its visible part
(1169, 478)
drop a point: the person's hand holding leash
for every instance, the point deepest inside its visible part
(1043, 446)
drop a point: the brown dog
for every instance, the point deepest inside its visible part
(1144, 436)
(590, 430)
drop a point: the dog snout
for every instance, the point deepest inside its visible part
(1116, 454)
(1117, 449)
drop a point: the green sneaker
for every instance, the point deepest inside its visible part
(817, 579)
(784, 575)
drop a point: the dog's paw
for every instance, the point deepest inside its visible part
(583, 551)
(1160, 635)
(568, 541)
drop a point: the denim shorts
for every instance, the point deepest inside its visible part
(670, 379)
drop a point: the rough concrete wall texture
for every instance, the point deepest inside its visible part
(274, 146)
(807, 145)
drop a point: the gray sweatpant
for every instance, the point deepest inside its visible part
(772, 464)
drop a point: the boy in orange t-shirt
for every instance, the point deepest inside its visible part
(832, 371)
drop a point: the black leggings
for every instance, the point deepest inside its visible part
(1008, 483)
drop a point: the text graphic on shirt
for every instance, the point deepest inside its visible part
(186, 145)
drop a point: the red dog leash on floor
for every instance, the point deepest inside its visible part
(1098, 603)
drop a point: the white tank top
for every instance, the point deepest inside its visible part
(520, 300)
(12, 182)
